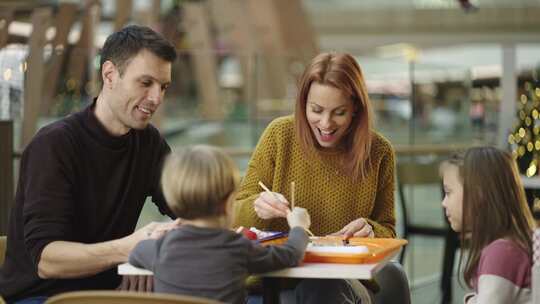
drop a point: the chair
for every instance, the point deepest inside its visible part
(394, 285)
(411, 174)
(124, 297)
(3, 247)
(3, 244)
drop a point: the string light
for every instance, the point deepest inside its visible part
(531, 171)
(525, 137)
(7, 74)
(521, 132)
(521, 151)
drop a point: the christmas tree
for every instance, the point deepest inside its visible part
(525, 138)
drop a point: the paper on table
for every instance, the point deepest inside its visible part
(337, 249)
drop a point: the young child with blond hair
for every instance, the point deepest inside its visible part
(485, 201)
(204, 257)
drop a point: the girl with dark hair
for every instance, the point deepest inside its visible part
(485, 201)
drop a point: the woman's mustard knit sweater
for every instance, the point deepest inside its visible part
(332, 198)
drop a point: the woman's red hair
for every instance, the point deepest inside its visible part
(341, 71)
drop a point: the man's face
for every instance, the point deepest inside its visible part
(138, 93)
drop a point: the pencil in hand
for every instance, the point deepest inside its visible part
(292, 199)
(292, 195)
(268, 191)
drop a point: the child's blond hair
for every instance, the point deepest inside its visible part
(197, 181)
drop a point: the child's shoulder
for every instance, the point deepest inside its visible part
(505, 248)
(506, 258)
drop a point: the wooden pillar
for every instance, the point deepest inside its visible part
(201, 42)
(6, 16)
(84, 52)
(34, 75)
(274, 39)
(285, 40)
(124, 8)
(6, 177)
(94, 77)
(237, 29)
(148, 14)
(64, 20)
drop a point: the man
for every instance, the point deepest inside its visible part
(84, 179)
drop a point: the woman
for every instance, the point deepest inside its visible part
(343, 170)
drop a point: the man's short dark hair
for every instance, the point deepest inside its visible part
(120, 47)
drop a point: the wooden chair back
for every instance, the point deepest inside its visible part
(409, 173)
(124, 297)
(3, 247)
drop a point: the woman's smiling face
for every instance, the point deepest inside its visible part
(329, 114)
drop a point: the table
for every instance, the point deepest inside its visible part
(306, 271)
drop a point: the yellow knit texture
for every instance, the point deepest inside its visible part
(332, 199)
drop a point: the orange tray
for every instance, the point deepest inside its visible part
(378, 249)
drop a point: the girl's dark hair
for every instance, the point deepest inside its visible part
(494, 203)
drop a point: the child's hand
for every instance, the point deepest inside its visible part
(298, 217)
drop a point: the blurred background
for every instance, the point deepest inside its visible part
(442, 75)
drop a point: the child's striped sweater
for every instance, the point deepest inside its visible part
(503, 275)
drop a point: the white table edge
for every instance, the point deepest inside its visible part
(306, 270)
(128, 269)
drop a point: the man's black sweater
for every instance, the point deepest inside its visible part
(78, 183)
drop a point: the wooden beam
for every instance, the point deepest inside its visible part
(285, 41)
(197, 25)
(94, 77)
(148, 14)
(237, 29)
(34, 75)
(64, 20)
(6, 16)
(6, 178)
(84, 52)
(124, 8)
(277, 32)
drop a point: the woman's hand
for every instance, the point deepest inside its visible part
(271, 205)
(357, 228)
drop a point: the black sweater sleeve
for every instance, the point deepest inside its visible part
(47, 171)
